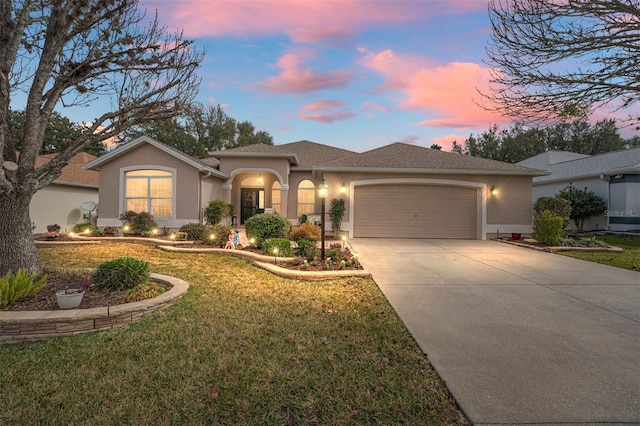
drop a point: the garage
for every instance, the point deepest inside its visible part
(415, 211)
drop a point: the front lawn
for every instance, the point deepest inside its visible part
(242, 347)
(628, 259)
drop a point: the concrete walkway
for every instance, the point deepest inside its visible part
(519, 336)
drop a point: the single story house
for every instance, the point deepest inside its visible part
(60, 202)
(613, 176)
(398, 190)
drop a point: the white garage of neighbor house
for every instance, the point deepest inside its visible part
(60, 202)
(613, 176)
(398, 190)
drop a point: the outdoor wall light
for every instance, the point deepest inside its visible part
(260, 178)
(493, 190)
(343, 188)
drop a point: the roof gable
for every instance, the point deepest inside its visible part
(123, 149)
(73, 173)
(314, 154)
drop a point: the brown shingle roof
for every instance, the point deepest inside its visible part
(314, 154)
(73, 172)
(404, 156)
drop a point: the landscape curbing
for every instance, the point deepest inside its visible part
(552, 249)
(32, 326)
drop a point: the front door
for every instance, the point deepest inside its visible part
(252, 202)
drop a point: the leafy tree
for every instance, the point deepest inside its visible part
(58, 133)
(584, 204)
(558, 59)
(556, 205)
(519, 142)
(71, 53)
(200, 129)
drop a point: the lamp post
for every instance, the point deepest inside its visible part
(322, 193)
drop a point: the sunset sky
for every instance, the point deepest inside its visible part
(355, 74)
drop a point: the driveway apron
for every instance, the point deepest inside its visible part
(518, 335)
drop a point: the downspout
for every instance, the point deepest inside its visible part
(200, 197)
(608, 180)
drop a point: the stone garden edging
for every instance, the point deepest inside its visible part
(552, 249)
(31, 326)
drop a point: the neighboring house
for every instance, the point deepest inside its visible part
(614, 176)
(59, 202)
(399, 190)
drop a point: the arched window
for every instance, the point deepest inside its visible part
(275, 196)
(149, 191)
(306, 197)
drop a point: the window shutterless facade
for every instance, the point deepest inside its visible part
(151, 191)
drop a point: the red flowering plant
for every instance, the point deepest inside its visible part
(53, 232)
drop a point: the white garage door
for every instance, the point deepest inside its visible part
(415, 211)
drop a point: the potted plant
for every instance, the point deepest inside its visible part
(70, 298)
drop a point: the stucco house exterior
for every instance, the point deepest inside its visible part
(613, 176)
(398, 190)
(59, 202)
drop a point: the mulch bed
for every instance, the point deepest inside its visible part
(60, 280)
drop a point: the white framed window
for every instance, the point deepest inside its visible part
(306, 197)
(275, 196)
(149, 190)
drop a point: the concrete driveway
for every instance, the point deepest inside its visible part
(518, 335)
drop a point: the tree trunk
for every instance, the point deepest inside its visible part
(17, 248)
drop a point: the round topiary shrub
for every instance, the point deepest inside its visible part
(282, 245)
(267, 225)
(306, 231)
(123, 273)
(138, 223)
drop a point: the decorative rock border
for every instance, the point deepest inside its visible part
(31, 326)
(552, 249)
(266, 262)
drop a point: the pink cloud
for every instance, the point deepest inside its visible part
(304, 21)
(446, 142)
(447, 93)
(314, 111)
(295, 78)
(372, 106)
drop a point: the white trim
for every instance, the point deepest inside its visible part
(174, 178)
(481, 233)
(237, 171)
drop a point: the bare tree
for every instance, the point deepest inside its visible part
(71, 53)
(559, 59)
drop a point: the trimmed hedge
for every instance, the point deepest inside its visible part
(267, 225)
(282, 244)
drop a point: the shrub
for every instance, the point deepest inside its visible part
(336, 213)
(267, 225)
(220, 234)
(138, 223)
(282, 244)
(306, 231)
(123, 273)
(302, 219)
(584, 204)
(53, 228)
(111, 230)
(216, 211)
(84, 228)
(547, 228)
(195, 231)
(557, 205)
(13, 287)
(306, 249)
(143, 291)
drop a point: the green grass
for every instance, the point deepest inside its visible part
(628, 259)
(243, 347)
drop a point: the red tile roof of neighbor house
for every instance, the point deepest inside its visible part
(73, 173)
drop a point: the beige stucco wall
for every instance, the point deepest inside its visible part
(509, 210)
(278, 167)
(60, 204)
(187, 186)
